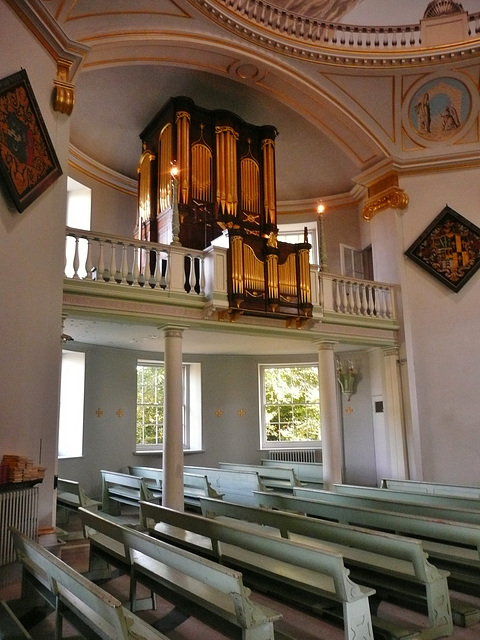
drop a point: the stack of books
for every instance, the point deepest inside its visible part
(19, 469)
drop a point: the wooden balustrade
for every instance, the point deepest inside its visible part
(118, 261)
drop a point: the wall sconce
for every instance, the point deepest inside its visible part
(346, 379)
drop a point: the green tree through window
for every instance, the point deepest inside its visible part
(291, 404)
(150, 402)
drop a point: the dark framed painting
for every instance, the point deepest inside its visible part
(28, 162)
(449, 249)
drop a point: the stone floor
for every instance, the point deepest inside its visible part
(178, 626)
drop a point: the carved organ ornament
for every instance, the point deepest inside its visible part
(226, 181)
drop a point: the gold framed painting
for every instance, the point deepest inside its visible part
(448, 249)
(28, 162)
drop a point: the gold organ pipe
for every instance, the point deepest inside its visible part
(288, 276)
(250, 185)
(272, 276)
(268, 148)
(304, 275)
(237, 264)
(183, 153)
(164, 167)
(201, 172)
(254, 270)
(227, 187)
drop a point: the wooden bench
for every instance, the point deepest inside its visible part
(310, 577)
(10, 626)
(308, 473)
(451, 546)
(439, 488)
(415, 497)
(92, 611)
(278, 478)
(210, 592)
(396, 567)
(123, 488)
(233, 485)
(70, 497)
(195, 485)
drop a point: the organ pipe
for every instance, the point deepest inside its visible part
(269, 197)
(183, 154)
(165, 178)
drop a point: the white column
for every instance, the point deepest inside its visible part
(332, 449)
(395, 423)
(172, 490)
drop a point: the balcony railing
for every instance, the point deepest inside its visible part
(112, 262)
(316, 32)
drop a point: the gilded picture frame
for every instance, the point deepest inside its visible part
(28, 162)
(448, 249)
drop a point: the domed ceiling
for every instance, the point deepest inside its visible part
(117, 95)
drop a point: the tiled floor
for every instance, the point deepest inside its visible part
(173, 623)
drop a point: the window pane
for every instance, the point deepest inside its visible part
(291, 404)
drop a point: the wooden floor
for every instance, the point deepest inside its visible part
(178, 626)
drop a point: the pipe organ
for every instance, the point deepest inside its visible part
(225, 183)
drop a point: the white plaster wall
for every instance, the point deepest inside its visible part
(442, 330)
(31, 263)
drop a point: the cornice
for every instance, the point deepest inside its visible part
(46, 29)
(99, 172)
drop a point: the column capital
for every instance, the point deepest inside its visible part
(384, 193)
(173, 330)
(326, 345)
(391, 351)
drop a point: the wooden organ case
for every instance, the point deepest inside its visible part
(225, 185)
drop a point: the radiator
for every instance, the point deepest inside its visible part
(18, 508)
(293, 455)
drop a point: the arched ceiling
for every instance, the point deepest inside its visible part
(145, 51)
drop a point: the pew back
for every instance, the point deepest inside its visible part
(308, 473)
(84, 604)
(431, 487)
(122, 488)
(278, 478)
(233, 485)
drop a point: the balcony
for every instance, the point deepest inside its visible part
(108, 276)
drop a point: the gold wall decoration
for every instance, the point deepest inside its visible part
(383, 194)
(64, 91)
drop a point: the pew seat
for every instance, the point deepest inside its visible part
(210, 592)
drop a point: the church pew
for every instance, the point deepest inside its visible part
(122, 488)
(307, 576)
(96, 614)
(211, 593)
(194, 485)
(381, 501)
(278, 478)
(396, 567)
(415, 497)
(308, 473)
(71, 496)
(443, 489)
(10, 626)
(451, 546)
(233, 485)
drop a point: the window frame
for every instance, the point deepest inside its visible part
(292, 229)
(277, 444)
(191, 407)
